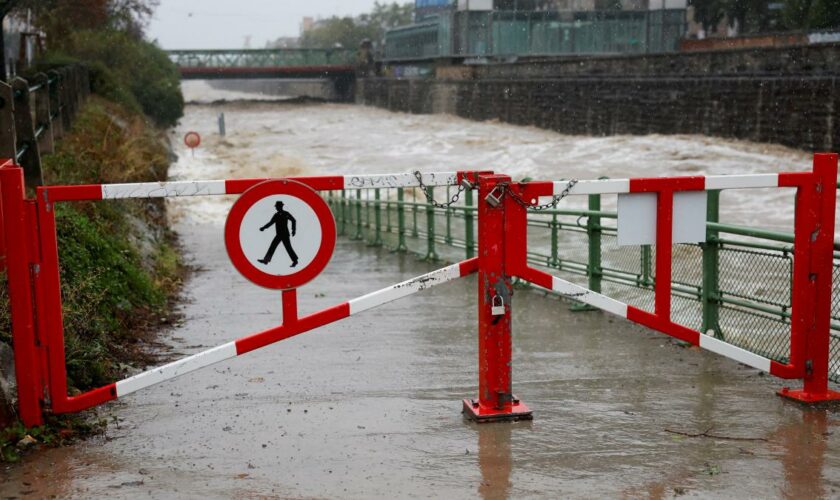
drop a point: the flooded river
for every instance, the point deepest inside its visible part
(370, 406)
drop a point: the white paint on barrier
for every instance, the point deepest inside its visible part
(162, 189)
(742, 181)
(406, 179)
(587, 296)
(637, 216)
(176, 368)
(735, 353)
(404, 289)
(604, 186)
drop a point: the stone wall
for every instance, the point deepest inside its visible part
(788, 96)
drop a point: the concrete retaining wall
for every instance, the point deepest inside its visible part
(788, 96)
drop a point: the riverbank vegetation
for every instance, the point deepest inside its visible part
(120, 266)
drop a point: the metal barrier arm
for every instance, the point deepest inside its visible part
(693, 337)
(93, 192)
(291, 327)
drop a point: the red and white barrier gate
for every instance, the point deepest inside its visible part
(33, 273)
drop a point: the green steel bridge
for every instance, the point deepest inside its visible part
(214, 64)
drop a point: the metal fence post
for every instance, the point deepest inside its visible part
(431, 254)
(468, 223)
(358, 234)
(812, 281)
(27, 362)
(401, 246)
(388, 211)
(647, 276)
(593, 230)
(711, 267)
(342, 204)
(28, 155)
(414, 232)
(377, 219)
(593, 266)
(448, 215)
(554, 259)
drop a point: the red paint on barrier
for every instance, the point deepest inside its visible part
(19, 260)
(54, 194)
(659, 184)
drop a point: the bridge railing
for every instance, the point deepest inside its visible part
(261, 58)
(736, 284)
(36, 112)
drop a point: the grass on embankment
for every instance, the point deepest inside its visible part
(119, 263)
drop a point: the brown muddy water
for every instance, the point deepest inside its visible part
(370, 407)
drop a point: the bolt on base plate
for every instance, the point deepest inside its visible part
(473, 411)
(800, 396)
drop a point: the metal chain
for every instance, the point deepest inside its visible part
(554, 200)
(430, 198)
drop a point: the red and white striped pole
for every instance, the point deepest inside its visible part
(495, 394)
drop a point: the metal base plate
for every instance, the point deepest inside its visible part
(474, 412)
(800, 396)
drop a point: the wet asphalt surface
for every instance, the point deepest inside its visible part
(370, 406)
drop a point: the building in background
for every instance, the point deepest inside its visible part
(21, 42)
(476, 30)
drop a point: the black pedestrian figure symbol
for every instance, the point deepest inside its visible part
(281, 222)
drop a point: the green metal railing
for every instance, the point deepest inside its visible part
(261, 58)
(736, 285)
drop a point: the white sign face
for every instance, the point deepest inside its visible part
(280, 235)
(637, 218)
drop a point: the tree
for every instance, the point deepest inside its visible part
(59, 18)
(811, 14)
(349, 32)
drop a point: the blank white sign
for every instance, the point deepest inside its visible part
(637, 218)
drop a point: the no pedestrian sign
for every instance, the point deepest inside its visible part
(280, 234)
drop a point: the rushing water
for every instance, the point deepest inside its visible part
(368, 407)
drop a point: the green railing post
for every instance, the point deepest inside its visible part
(468, 223)
(554, 258)
(431, 254)
(647, 279)
(401, 246)
(593, 266)
(358, 234)
(367, 209)
(414, 232)
(711, 269)
(388, 211)
(448, 214)
(342, 213)
(593, 230)
(377, 220)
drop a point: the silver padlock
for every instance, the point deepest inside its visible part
(494, 198)
(498, 307)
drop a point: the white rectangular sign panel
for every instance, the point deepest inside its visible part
(637, 218)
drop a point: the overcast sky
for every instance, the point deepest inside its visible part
(208, 24)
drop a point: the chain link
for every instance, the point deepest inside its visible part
(554, 199)
(430, 198)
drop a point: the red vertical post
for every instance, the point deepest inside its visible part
(495, 398)
(27, 362)
(813, 269)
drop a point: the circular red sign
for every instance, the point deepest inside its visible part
(192, 140)
(273, 206)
